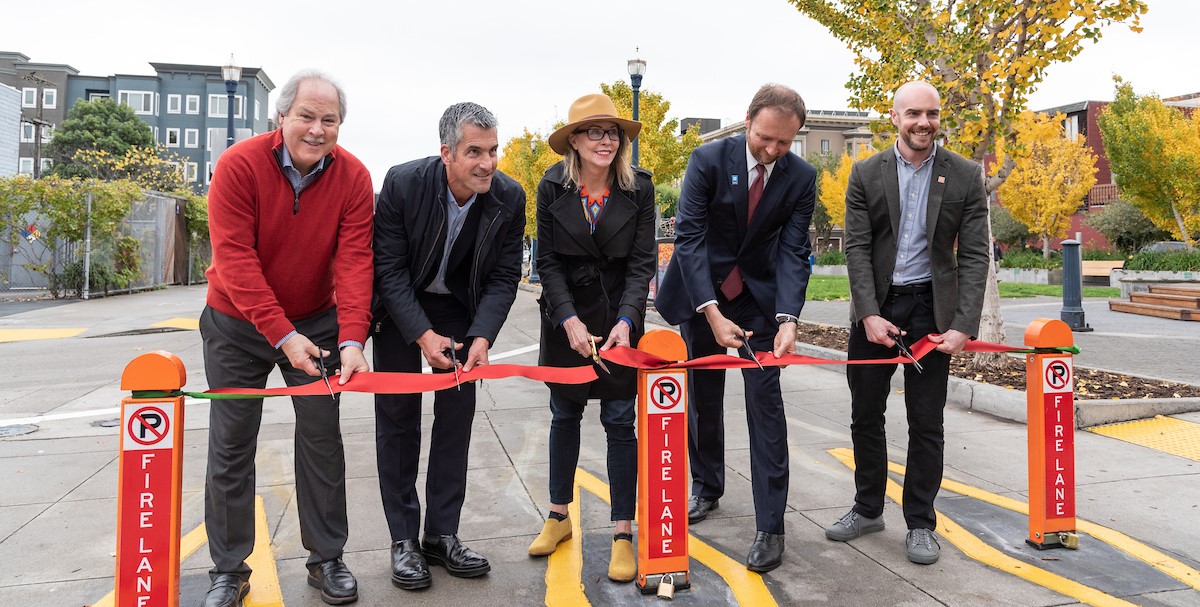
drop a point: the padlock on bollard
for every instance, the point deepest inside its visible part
(666, 587)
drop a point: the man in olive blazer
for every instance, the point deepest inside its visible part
(906, 209)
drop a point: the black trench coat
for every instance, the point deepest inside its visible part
(600, 277)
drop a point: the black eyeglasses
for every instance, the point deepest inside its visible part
(596, 133)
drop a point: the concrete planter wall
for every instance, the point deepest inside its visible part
(1140, 281)
(1030, 276)
(829, 271)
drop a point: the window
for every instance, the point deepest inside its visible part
(156, 133)
(95, 96)
(47, 164)
(142, 102)
(174, 104)
(257, 109)
(798, 147)
(47, 133)
(26, 132)
(191, 171)
(191, 138)
(49, 98)
(825, 147)
(156, 104)
(193, 104)
(207, 172)
(25, 167)
(1071, 127)
(172, 138)
(218, 106)
(208, 139)
(29, 98)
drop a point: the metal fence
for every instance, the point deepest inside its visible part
(35, 265)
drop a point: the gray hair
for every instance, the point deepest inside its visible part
(287, 95)
(455, 116)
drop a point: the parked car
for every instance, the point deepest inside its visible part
(1164, 246)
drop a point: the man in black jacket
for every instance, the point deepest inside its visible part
(448, 235)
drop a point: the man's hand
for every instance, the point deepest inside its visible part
(478, 354)
(950, 342)
(300, 353)
(434, 347)
(579, 338)
(725, 331)
(619, 336)
(878, 328)
(353, 361)
(785, 339)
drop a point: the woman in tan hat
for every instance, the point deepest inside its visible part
(595, 220)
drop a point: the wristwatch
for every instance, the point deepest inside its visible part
(782, 318)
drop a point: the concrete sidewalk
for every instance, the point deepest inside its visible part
(57, 510)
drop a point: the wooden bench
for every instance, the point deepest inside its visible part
(1099, 270)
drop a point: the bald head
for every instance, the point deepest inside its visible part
(916, 112)
(912, 90)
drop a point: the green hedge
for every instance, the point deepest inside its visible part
(832, 257)
(1175, 261)
(1030, 259)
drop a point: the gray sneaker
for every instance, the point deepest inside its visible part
(853, 525)
(922, 546)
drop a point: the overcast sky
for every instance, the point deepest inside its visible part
(402, 63)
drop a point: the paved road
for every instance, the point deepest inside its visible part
(57, 507)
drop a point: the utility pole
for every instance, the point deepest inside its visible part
(38, 123)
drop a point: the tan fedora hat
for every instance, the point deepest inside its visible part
(596, 107)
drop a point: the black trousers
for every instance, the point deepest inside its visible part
(924, 400)
(398, 429)
(237, 355)
(764, 415)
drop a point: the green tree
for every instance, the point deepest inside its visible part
(1154, 151)
(666, 196)
(1052, 176)
(526, 158)
(1125, 226)
(662, 150)
(98, 125)
(822, 222)
(1006, 229)
(985, 57)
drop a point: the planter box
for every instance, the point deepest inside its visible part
(829, 271)
(1140, 281)
(1031, 276)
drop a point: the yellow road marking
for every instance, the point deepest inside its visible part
(984, 553)
(748, 587)
(191, 324)
(265, 591)
(7, 335)
(1166, 434)
(1112, 537)
(564, 566)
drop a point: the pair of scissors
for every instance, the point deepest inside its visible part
(596, 356)
(449, 353)
(324, 374)
(905, 351)
(749, 352)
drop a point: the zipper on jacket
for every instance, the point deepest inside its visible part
(478, 252)
(430, 257)
(296, 204)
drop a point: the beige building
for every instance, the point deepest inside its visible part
(824, 131)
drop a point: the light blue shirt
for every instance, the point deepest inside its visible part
(912, 243)
(456, 216)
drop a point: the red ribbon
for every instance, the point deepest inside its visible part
(629, 357)
(414, 383)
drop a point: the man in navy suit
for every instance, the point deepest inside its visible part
(738, 276)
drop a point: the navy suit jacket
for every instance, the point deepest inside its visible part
(711, 233)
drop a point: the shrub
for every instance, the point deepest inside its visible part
(1102, 254)
(1006, 229)
(832, 257)
(1125, 226)
(1018, 258)
(1174, 261)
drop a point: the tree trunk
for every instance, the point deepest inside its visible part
(1182, 228)
(1045, 246)
(991, 323)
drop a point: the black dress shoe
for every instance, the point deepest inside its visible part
(337, 584)
(766, 553)
(227, 590)
(409, 569)
(698, 508)
(459, 561)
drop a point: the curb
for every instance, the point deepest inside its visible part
(1007, 403)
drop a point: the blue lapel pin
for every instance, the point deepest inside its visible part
(733, 180)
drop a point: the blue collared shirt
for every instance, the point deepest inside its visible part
(912, 243)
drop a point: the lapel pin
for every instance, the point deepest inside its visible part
(941, 179)
(733, 180)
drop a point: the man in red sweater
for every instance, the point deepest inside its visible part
(290, 218)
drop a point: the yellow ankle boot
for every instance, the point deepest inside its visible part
(553, 533)
(622, 565)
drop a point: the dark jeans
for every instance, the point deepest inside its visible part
(237, 356)
(924, 399)
(618, 418)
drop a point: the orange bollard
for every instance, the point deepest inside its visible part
(1050, 387)
(662, 470)
(149, 482)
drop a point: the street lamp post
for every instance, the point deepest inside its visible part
(232, 73)
(637, 69)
